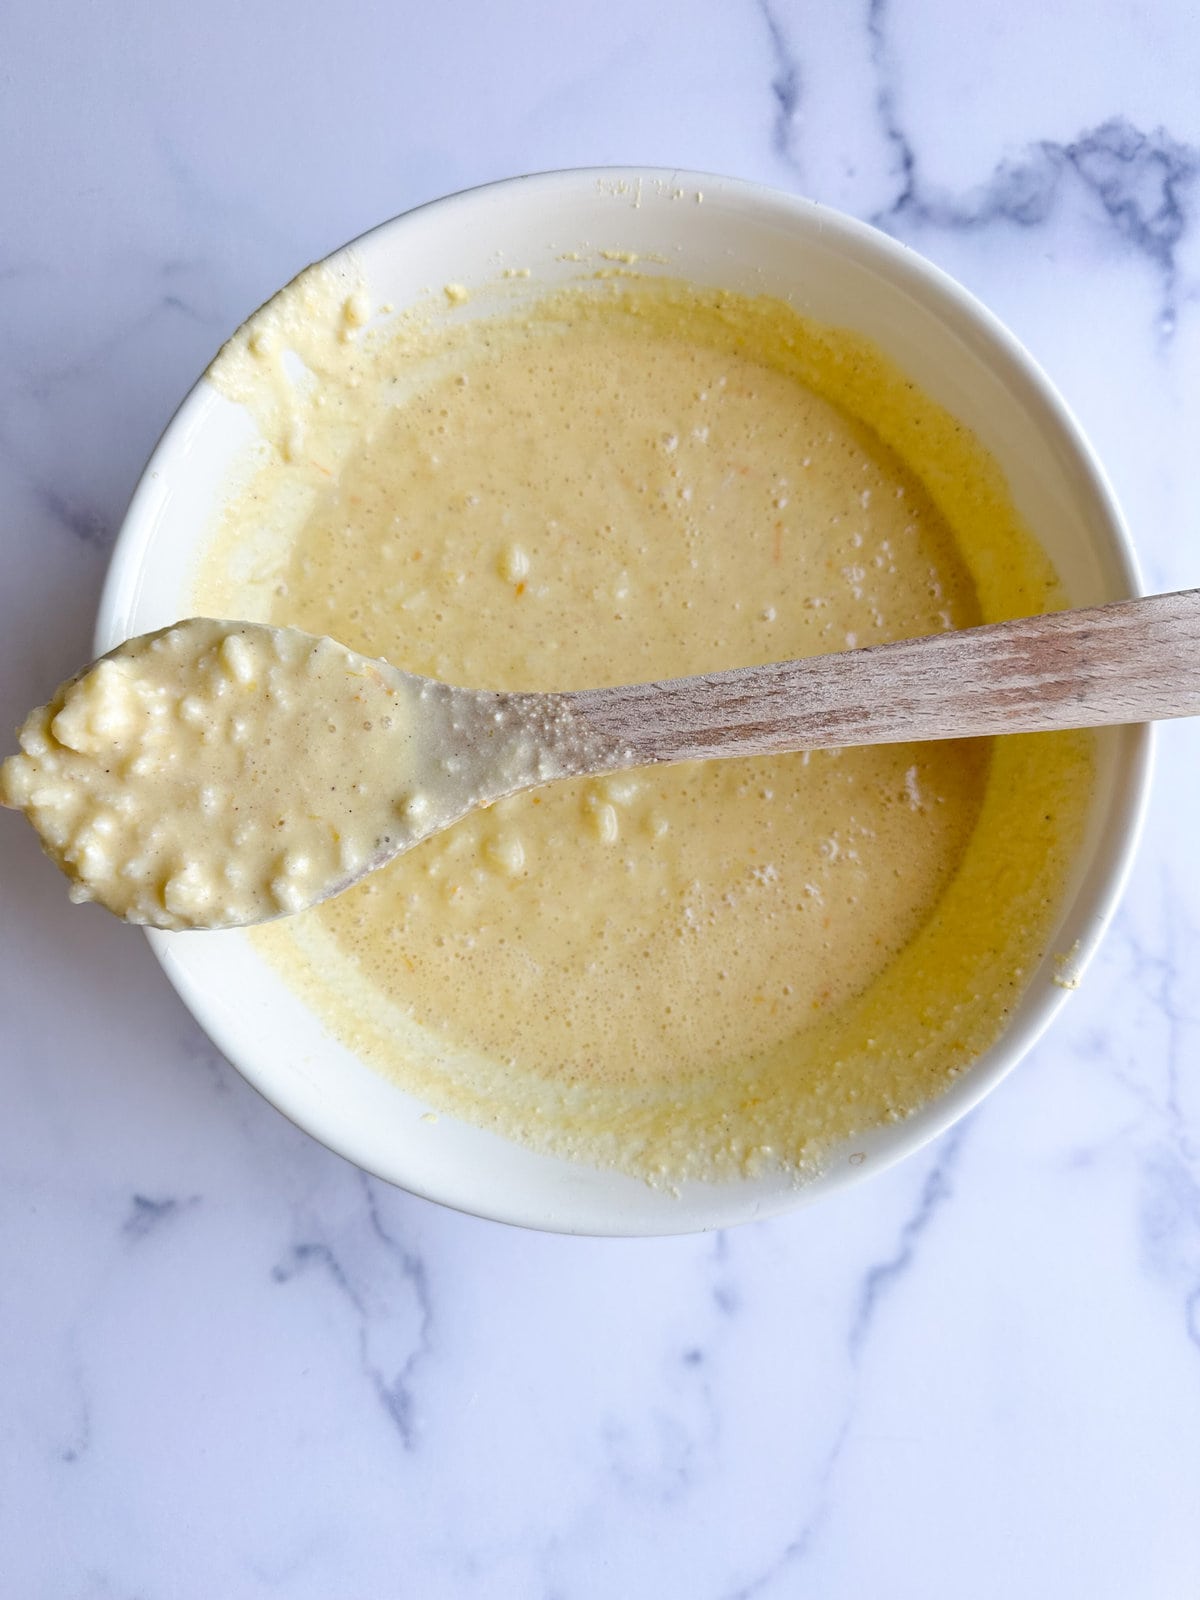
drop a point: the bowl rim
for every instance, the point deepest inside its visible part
(1114, 858)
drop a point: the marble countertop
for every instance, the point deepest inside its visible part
(235, 1367)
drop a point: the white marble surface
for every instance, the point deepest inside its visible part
(234, 1367)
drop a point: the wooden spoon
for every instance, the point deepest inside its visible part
(1134, 661)
(220, 774)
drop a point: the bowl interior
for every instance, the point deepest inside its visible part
(711, 231)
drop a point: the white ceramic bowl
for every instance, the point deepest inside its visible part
(712, 231)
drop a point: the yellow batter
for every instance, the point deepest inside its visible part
(165, 779)
(692, 971)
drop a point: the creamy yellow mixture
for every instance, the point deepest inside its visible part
(218, 773)
(694, 971)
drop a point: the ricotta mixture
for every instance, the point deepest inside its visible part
(213, 773)
(694, 971)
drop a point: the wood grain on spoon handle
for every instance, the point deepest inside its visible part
(1135, 661)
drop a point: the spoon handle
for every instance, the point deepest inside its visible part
(1135, 661)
